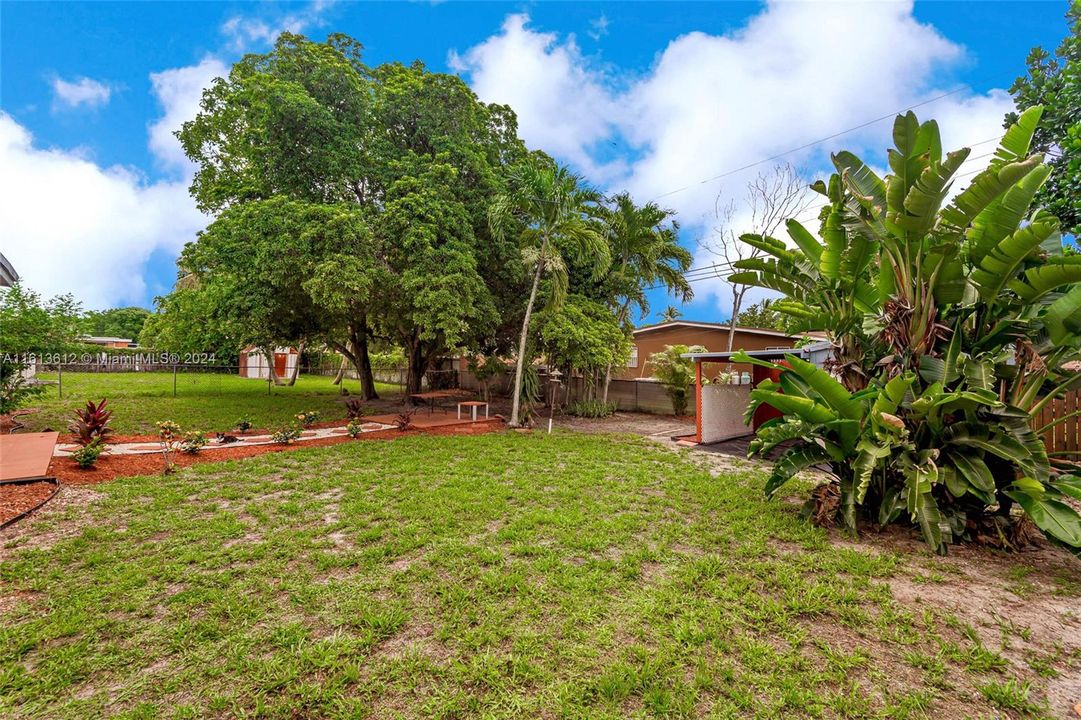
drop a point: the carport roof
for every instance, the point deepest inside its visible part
(770, 354)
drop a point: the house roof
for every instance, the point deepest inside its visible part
(8, 276)
(100, 339)
(711, 326)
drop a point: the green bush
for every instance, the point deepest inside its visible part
(952, 329)
(591, 409)
(87, 455)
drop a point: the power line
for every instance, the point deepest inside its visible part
(808, 145)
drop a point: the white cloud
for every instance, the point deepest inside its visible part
(244, 32)
(710, 103)
(598, 27)
(73, 226)
(83, 91)
(563, 107)
(179, 91)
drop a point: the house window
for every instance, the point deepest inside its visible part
(632, 361)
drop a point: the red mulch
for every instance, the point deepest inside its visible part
(113, 466)
(17, 498)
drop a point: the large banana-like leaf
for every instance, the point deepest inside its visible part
(1052, 275)
(793, 461)
(777, 431)
(1054, 517)
(974, 470)
(771, 246)
(924, 199)
(893, 393)
(1000, 265)
(1063, 316)
(986, 187)
(979, 374)
(975, 435)
(801, 407)
(1018, 137)
(836, 241)
(945, 369)
(805, 241)
(1068, 486)
(948, 271)
(862, 181)
(869, 453)
(832, 392)
(922, 506)
(1002, 217)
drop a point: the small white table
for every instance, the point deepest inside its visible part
(473, 406)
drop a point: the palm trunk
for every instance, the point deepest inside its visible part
(608, 370)
(517, 393)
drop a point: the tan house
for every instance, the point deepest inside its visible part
(712, 336)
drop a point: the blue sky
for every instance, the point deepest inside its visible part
(650, 97)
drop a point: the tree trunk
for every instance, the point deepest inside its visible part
(418, 365)
(341, 371)
(296, 368)
(737, 302)
(517, 392)
(272, 373)
(363, 363)
(608, 370)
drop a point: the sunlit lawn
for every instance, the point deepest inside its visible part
(496, 576)
(204, 401)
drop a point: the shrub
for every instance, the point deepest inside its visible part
(308, 418)
(354, 408)
(168, 436)
(952, 326)
(675, 372)
(88, 454)
(591, 409)
(404, 420)
(244, 424)
(353, 429)
(192, 442)
(285, 435)
(92, 422)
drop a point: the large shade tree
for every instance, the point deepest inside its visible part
(414, 151)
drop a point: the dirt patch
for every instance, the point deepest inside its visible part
(62, 517)
(17, 498)
(109, 467)
(630, 423)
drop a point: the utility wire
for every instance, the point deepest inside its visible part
(808, 145)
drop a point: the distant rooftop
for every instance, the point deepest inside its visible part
(769, 332)
(8, 276)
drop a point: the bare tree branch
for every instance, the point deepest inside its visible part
(772, 197)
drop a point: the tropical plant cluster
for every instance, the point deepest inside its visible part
(954, 320)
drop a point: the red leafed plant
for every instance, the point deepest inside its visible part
(404, 421)
(92, 422)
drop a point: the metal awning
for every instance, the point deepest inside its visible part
(772, 354)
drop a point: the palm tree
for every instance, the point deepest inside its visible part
(549, 204)
(671, 314)
(645, 254)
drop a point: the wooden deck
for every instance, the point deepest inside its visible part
(26, 455)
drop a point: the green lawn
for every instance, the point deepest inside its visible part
(496, 576)
(204, 401)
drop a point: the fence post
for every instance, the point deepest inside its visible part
(60, 379)
(174, 379)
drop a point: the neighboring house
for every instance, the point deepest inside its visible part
(712, 336)
(253, 362)
(109, 342)
(8, 276)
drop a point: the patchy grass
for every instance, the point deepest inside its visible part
(501, 575)
(206, 401)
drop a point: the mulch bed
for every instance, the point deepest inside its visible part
(17, 498)
(114, 466)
